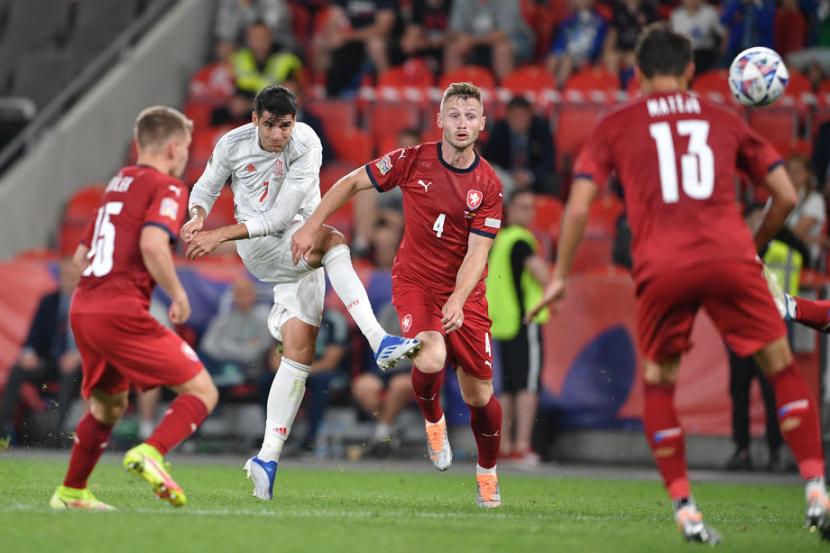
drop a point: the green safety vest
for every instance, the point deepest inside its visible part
(278, 68)
(785, 264)
(505, 311)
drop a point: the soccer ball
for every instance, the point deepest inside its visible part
(758, 76)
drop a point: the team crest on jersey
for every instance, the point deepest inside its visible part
(169, 208)
(279, 168)
(384, 164)
(474, 198)
(406, 322)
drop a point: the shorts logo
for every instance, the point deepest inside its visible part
(406, 322)
(474, 198)
(189, 353)
(384, 164)
(169, 208)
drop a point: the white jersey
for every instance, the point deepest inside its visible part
(269, 189)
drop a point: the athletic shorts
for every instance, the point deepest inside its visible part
(299, 290)
(521, 360)
(734, 293)
(120, 349)
(468, 348)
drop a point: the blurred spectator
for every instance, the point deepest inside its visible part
(330, 352)
(750, 23)
(354, 30)
(370, 207)
(578, 41)
(630, 17)
(49, 354)
(821, 156)
(260, 64)
(701, 22)
(790, 28)
(426, 34)
(516, 277)
(384, 394)
(522, 144)
(236, 112)
(236, 340)
(310, 118)
(235, 16)
(807, 219)
(491, 33)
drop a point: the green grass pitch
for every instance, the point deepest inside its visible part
(341, 511)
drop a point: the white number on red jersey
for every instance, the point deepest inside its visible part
(103, 241)
(438, 227)
(697, 166)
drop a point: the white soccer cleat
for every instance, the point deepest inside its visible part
(817, 516)
(262, 474)
(394, 348)
(690, 524)
(438, 444)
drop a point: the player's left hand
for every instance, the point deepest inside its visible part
(453, 314)
(203, 243)
(302, 243)
(554, 292)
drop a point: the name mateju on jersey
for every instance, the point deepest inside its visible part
(668, 105)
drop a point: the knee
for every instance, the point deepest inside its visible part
(110, 409)
(401, 385)
(661, 374)
(364, 386)
(332, 238)
(209, 396)
(479, 396)
(433, 354)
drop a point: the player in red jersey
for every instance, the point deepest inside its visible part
(452, 211)
(122, 254)
(675, 155)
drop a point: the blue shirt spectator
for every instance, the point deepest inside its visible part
(750, 23)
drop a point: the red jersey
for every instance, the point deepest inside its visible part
(675, 155)
(136, 197)
(442, 206)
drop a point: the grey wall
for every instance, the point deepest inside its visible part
(91, 141)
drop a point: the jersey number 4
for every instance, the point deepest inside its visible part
(103, 241)
(697, 165)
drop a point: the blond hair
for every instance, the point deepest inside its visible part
(155, 125)
(464, 90)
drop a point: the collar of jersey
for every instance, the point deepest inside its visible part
(469, 169)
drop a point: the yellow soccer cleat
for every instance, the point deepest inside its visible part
(145, 461)
(72, 499)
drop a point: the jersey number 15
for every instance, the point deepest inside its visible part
(697, 165)
(102, 246)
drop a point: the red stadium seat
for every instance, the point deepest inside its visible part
(201, 148)
(574, 123)
(714, 85)
(212, 83)
(479, 76)
(385, 119)
(778, 123)
(602, 219)
(548, 214)
(533, 82)
(79, 211)
(352, 145)
(409, 82)
(335, 113)
(222, 212)
(593, 84)
(593, 254)
(798, 86)
(200, 113)
(332, 172)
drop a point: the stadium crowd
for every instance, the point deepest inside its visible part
(366, 73)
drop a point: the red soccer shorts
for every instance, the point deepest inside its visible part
(419, 309)
(735, 295)
(120, 349)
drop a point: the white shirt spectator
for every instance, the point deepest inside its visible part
(703, 26)
(810, 205)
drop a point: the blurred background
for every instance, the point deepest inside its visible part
(369, 76)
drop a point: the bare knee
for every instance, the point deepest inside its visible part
(202, 387)
(400, 385)
(774, 357)
(663, 373)
(327, 239)
(299, 341)
(108, 408)
(433, 354)
(366, 391)
(474, 391)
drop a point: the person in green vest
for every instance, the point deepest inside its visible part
(259, 64)
(516, 277)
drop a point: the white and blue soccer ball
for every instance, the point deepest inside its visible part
(758, 76)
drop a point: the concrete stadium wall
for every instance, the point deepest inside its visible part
(91, 141)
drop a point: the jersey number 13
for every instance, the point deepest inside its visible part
(697, 165)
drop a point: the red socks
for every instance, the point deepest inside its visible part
(91, 437)
(665, 436)
(798, 419)
(815, 314)
(486, 424)
(181, 420)
(427, 393)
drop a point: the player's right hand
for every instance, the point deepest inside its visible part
(192, 227)
(554, 292)
(179, 310)
(302, 243)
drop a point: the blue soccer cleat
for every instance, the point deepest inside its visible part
(393, 348)
(263, 474)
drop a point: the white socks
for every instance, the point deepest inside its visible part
(284, 400)
(350, 290)
(382, 432)
(815, 485)
(482, 470)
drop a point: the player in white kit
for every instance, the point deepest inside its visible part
(274, 167)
